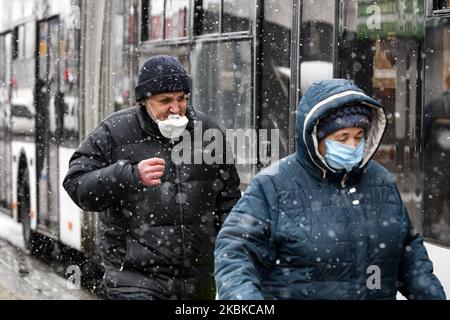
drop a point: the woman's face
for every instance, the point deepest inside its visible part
(349, 136)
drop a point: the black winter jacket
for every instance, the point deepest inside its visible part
(305, 231)
(157, 240)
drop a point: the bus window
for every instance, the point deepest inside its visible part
(5, 132)
(67, 100)
(176, 18)
(236, 15)
(152, 20)
(179, 51)
(316, 51)
(222, 16)
(441, 4)
(22, 83)
(221, 77)
(436, 135)
(120, 75)
(276, 70)
(207, 16)
(379, 49)
(5, 66)
(164, 19)
(19, 42)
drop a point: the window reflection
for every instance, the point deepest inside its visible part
(5, 133)
(236, 15)
(382, 55)
(176, 18)
(152, 19)
(316, 51)
(207, 16)
(66, 99)
(120, 78)
(221, 72)
(181, 52)
(19, 42)
(441, 4)
(437, 132)
(221, 76)
(276, 79)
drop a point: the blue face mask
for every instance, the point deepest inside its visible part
(341, 156)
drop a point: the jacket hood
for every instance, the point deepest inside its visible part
(322, 98)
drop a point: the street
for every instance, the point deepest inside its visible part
(23, 277)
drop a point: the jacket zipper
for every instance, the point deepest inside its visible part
(353, 242)
(344, 179)
(352, 231)
(183, 242)
(126, 255)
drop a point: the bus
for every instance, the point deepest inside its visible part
(39, 126)
(67, 64)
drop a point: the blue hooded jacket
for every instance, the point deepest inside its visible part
(305, 231)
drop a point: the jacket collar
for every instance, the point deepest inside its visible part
(338, 178)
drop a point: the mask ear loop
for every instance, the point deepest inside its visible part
(151, 113)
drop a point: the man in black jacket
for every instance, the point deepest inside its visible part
(158, 218)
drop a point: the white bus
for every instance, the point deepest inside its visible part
(66, 64)
(40, 99)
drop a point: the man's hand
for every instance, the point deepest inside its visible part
(151, 170)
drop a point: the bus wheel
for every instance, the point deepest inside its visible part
(34, 243)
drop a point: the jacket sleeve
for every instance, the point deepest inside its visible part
(416, 278)
(244, 250)
(93, 182)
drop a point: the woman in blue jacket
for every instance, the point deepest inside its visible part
(326, 222)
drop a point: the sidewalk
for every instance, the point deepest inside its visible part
(440, 256)
(24, 277)
(11, 231)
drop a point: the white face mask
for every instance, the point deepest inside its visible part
(173, 126)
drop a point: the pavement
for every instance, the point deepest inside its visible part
(25, 277)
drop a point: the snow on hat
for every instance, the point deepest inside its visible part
(161, 74)
(357, 116)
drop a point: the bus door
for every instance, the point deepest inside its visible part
(47, 91)
(5, 132)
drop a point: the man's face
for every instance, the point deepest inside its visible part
(164, 104)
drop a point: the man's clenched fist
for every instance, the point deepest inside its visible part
(151, 170)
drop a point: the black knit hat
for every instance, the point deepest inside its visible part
(161, 74)
(357, 116)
